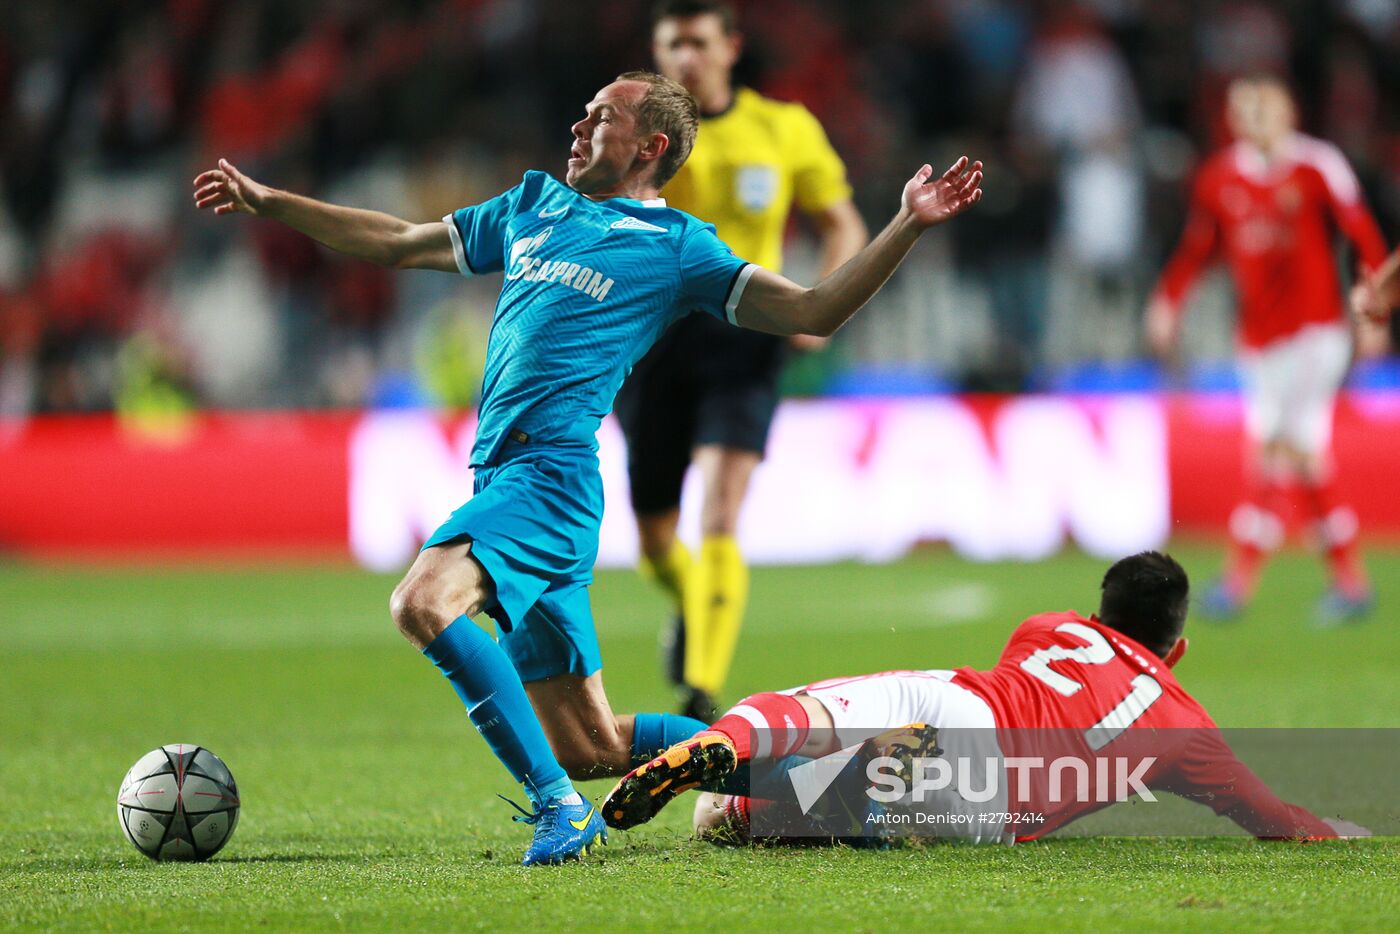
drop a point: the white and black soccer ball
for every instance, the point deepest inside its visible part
(178, 802)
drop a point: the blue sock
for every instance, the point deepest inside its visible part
(773, 782)
(654, 732)
(488, 684)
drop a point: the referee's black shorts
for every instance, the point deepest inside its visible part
(705, 382)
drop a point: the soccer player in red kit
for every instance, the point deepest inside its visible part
(1092, 687)
(1270, 204)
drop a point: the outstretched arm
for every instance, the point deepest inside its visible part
(1210, 773)
(843, 234)
(1198, 241)
(368, 235)
(778, 305)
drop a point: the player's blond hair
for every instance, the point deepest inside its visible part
(667, 108)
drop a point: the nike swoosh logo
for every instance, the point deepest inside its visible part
(555, 213)
(582, 824)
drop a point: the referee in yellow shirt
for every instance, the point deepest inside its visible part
(706, 392)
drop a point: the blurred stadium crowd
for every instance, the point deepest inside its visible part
(1090, 116)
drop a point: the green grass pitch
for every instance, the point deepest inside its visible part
(369, 802)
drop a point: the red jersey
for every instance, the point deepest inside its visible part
(1099, 695)
(1274, 223)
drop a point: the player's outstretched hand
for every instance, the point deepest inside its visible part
(1346, 829)
(932, 200)
(226, 190)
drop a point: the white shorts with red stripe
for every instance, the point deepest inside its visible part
(864, 705)
(896, 698)
(1290, 386)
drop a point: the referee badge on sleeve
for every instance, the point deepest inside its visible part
(756, 186)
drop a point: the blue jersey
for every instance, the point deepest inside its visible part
(589, 287)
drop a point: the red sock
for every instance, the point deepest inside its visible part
(1337, 526)
(736, 812)
(1256, 529)
(764, 726)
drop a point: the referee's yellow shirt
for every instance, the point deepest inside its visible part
(749, 166)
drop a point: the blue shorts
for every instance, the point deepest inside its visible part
(533, 521)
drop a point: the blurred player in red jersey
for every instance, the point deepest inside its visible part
(1270, 204)
(1100, 684)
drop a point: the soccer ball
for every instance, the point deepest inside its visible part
(178, 802)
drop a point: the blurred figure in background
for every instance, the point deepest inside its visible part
(706, 392)
(1271, 203)
(1004, 249)
(1077, 103)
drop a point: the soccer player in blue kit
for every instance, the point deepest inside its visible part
(595, 269)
